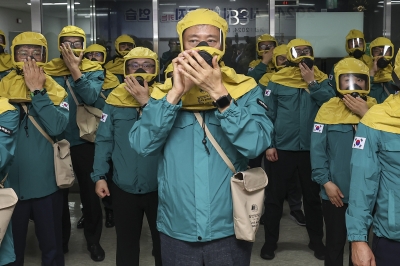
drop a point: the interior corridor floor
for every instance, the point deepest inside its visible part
(292, 246)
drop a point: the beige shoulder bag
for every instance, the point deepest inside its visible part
(8, 200)
(247, 189)
(87, 118)
(65, 176)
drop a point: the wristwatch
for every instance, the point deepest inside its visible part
(312, 83)
(36, 92)
(223, 101)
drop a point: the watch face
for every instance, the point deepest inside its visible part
(223, 101)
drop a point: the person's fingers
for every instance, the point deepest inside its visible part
(215, 63)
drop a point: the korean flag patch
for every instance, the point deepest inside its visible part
(318, 128)
(103, 117)
(267, 93)
(331, 77)
(359, 143)
(64, 105)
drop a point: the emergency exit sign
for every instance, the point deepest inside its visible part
(287, 3)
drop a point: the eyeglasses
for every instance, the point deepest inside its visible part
(145, 66)
(25, 54)
(266, 46)
(303, 51)
(76, 45)
(94, 54)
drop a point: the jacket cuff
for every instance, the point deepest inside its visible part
(357, 238)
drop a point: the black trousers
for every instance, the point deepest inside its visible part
(82, 157)
(128, 217)
(386, 251)
(336, 233)
(46, 213)
(282, 172)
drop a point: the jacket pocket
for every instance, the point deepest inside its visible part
(392, 211)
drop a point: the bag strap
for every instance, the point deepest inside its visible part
(3, 181)
(72, 91)
(386, 90)
(103, 96)
(37, 125)
(215, 143)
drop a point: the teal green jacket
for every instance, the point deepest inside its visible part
(374, 183)
(8, 120)
(293, 111)
(32, 172)
(378, 91)
(257, 72)
(330, 153)
(195, 201)
(87, 90)
(132, 173)
(120, 77)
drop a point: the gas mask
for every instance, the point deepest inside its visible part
(204, 54)
(357, 54)
(382, 63)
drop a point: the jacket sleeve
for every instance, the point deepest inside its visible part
(319, 156)
(365, 169)
(53, 118)
(246, 124)
(103, 144)
(322, 92)
(89, 86)
(149, 133)
(271, 100)
(257, 72)
(8, 133)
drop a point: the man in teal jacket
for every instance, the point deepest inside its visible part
(331, 141)
(86, 79)
(375, 186)
(382, 51)
(293, 97)
(134, 186)
(32, 173)
(9, 120)
(195, 201)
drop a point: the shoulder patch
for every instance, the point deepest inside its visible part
(267, 92)
(6, 130)
(64, 105)
(250, 69)
(318, 128)
(103, 117)
(262, 104)
(331, 77)
(359, 143)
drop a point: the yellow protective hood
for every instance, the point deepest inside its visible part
(57, 67)
(5, 62)
(264, 38)
(279, 50)
(291, 76)
(5, 105)
(120, 97)
(397, 64)
(169, 69)
(2, 35)
(72, 31)
(384, 116)
(264, 80)
(142, 52)
(97, 48)
(115, 66)
(351, 66)
(121, 39)
(270, 67)
(29, 38)
(204, 16)
(352, 35)
(110, 81)
(293, 43)
(197, 99)
(385, 74)
(335, 112)
(14, 88)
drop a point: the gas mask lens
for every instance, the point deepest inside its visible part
(353, 82)
(356, 43)
(265, 47)
(299, 51)
(385, 50)
(2, 40)
(36, 52)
